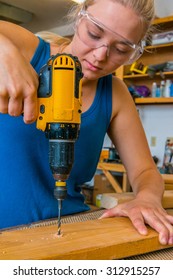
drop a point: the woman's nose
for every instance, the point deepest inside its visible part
(101, 53)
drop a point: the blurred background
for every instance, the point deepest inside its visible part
(49, 14)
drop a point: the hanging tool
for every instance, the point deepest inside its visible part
(59, 101)
(138, 68)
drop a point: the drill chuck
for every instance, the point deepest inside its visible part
(60, 190)
(60, 193)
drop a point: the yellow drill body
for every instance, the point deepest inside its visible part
(60, 101)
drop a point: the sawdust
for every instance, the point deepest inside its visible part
(58, 236)
(52, 236)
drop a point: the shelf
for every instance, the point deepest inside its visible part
(152, 100)
(159, 46)
(164, 20)
(136, 76)
(153, 55)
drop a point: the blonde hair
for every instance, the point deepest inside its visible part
(53, 38)
(143, 8)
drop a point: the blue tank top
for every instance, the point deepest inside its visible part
(26, 181)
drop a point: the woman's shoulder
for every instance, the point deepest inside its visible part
(57, 42)
(120, 95)
(117, 83)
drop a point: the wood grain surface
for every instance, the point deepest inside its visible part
(112, 238)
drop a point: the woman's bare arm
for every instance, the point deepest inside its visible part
(18, 80)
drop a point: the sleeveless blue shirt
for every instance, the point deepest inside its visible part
(26, 181)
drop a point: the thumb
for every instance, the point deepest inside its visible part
(109, 213)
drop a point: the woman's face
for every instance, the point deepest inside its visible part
(104, 47)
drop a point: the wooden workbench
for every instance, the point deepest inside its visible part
(113, 238)
(107, 168)
(115, 167)
(168, 180)
(110, 200)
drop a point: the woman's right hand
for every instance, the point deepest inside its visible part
(18, 82)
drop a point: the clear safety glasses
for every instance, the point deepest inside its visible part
(95, 35)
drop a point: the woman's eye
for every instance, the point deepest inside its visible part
(93, 36)
(121, 50)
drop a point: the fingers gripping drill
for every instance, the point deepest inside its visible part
(59, 100)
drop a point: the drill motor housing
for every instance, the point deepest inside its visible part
(59, 101)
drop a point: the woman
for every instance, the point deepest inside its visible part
(108, 33)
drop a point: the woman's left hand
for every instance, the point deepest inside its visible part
(142, 212)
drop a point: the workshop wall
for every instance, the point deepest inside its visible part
(163, 8)
(157, 123)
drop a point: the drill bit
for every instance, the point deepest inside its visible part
(59, 216)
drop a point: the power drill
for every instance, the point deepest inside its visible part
(59, 101)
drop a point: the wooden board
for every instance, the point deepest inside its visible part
(110, 200)
(112, 238)
(168, 180)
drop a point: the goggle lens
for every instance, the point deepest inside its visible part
(95, 36)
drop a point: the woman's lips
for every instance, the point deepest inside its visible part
(91, 67)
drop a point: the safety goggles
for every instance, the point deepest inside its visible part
(95, 35)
